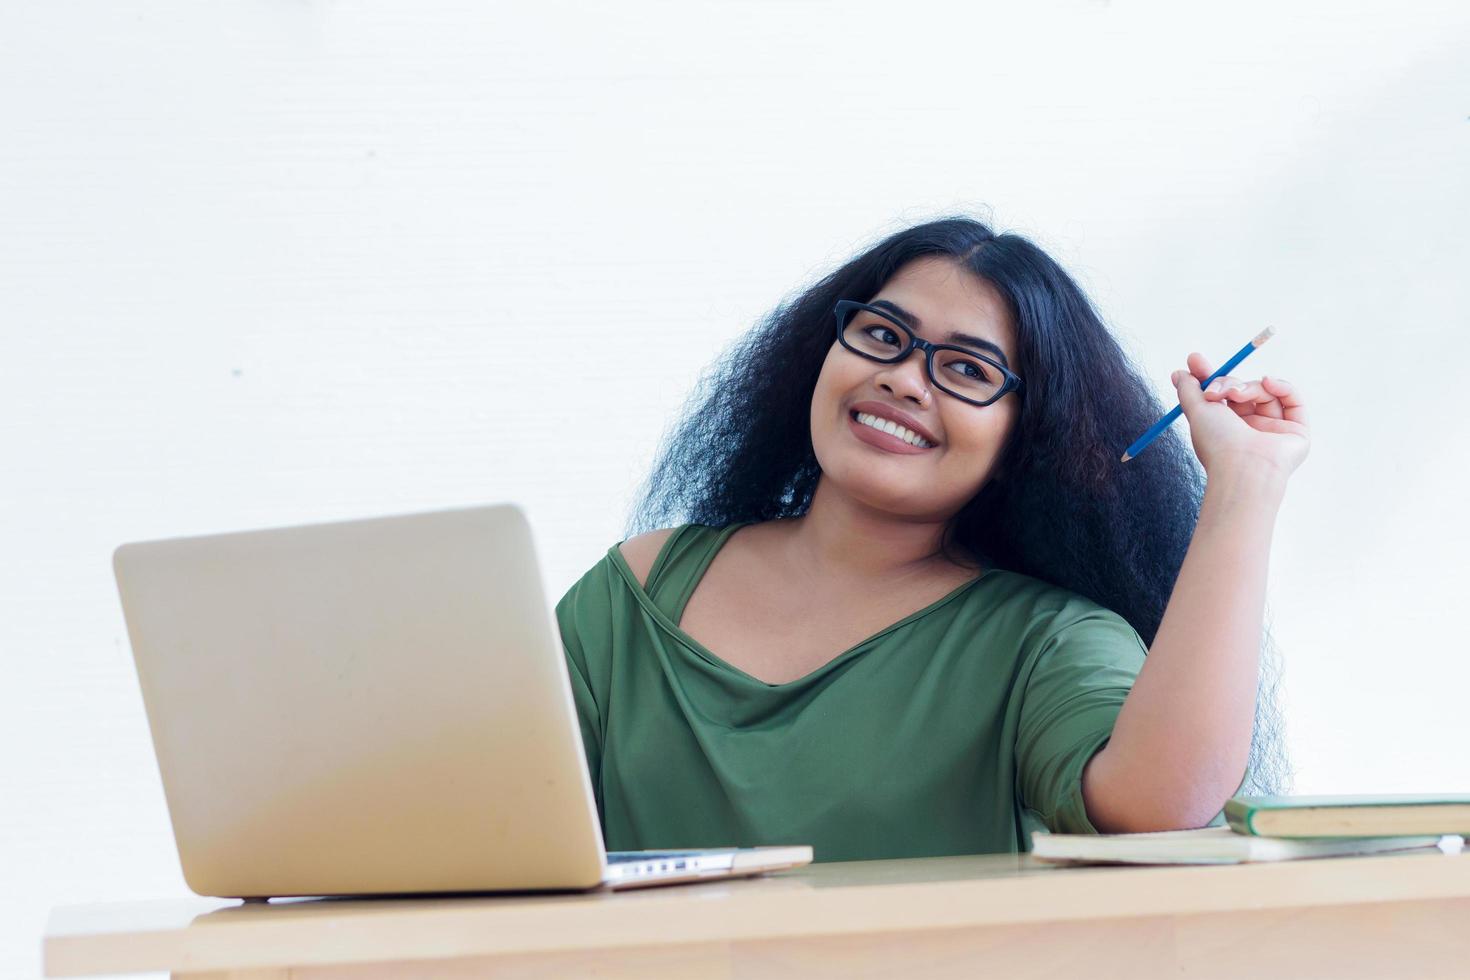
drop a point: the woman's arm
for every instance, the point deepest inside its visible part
(1180, 744)
(1181, 741)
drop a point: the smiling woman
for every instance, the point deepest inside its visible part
(889, 588)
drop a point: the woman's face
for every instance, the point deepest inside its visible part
(927, 483)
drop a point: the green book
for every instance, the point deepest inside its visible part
(1349, 816)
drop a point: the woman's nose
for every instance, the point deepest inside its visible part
(907, 378)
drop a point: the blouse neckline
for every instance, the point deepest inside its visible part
(674, 630)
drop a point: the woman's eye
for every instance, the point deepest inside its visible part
(882, 334)
(971, 370)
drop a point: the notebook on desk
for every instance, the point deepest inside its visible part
(1212, 845)
(376, 706)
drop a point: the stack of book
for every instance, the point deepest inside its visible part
(1280, 828)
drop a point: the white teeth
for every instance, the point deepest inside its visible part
(894, 429)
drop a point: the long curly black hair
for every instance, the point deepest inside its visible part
(1060, 507)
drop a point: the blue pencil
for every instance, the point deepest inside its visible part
(1225, 369)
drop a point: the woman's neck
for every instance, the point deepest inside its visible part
(840, 539)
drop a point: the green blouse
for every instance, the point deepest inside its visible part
(956, 730)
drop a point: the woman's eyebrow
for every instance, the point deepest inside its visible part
(963, 338)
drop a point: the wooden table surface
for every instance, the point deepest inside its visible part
(1402, 915)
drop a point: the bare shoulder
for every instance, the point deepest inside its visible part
(640, 551)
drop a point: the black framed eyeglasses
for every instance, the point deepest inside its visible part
(961, 372)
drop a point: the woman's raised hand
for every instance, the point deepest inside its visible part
(1238, 425)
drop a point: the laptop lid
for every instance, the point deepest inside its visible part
(359, 707)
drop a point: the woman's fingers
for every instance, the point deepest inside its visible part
(1265, 423)
(1293, 409)
(1198, 366)
(1246, 397)
(1268, 397)
(1217, 389)
(1255, 400)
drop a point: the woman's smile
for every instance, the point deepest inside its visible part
(863, 426)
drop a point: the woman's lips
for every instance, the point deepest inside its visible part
(882, 440)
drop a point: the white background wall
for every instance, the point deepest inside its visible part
(265, 263)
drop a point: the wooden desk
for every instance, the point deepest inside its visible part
(1400, 916)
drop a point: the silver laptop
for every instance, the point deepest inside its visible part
(374, 707)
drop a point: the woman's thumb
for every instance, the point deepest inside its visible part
(1190, 393)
